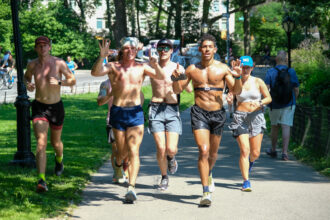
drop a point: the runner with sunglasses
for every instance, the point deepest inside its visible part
(164, 115)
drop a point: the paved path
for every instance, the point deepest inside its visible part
(281, 190)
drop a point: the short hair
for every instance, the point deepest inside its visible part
(281, 56)
(208, 37)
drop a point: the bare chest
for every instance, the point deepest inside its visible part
(128, 76)
(209, 76)
(43, 73)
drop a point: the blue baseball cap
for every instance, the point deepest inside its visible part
(246, 61)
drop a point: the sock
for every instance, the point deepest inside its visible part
(59, 159)
(210, 173)
(206, 189)
(164, 177)
(125, 166)
(117, 164)
(42, 176)
(169, 158)
(131, 186)
(251, 165)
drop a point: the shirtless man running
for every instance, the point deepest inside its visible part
(164, 114)
(208, 115)
(126, 117)
(47, 108)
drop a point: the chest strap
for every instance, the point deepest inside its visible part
(208, 89)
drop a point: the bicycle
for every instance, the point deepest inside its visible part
(6, 79)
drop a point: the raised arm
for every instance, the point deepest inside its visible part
(98, 68)
(153, 70)
(180, 79)
(233, 77)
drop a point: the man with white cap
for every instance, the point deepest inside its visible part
(126, 114)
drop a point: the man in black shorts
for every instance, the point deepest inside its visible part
(47, 108)
(208, 115)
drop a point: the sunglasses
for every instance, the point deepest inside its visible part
(165, 49)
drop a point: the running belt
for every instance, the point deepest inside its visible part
(208, 89)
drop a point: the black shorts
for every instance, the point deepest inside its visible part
(210, 120)
(52, 113)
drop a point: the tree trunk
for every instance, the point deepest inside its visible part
(66, 3)
(169, 19)
(133, 22)
(138, 17)
(81, 6)
(246, 27)
(206, 9)
(178, 16)
(109, 19)
(158, 18)
(120, 29)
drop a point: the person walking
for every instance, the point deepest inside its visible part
(47, 107)
(248, 124)
(126, 114)
(164, 115)
(208, 115)
(284, 88)
(72, 66)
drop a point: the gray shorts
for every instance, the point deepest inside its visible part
(164, 117)
(252, 123)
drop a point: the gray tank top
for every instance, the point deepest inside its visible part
(253, 94)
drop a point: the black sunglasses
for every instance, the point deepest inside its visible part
(165, 49)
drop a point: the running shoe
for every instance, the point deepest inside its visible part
(118, 176)
(246, 186)
(211, 184)
(59, 167)
(42, 186)
(172, 165)
(130, 196)
(271, 153)
(206, 199)
(285, 157)
(163, 184)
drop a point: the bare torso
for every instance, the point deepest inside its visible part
(211, 76)
(126, 83)
(162, 90)
(45, 92)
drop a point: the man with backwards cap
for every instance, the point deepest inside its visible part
(126, 114)
(47, 108)
(164, 114)
(208, 115)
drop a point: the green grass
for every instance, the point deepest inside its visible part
(85, 150)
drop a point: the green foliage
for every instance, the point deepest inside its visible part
(6, 26)
(313, 71)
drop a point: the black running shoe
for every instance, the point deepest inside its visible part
(42, 186)
(271, 153)
(172, 165)
(163, 184)
(59, 167)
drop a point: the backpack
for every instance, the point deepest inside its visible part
(281, 92)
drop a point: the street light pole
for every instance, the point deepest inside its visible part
(23, 156)
(227, 26)
(288, 25)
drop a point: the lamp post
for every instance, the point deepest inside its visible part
(23, 156)
(288, 25)
(205, 28)
(227, 25)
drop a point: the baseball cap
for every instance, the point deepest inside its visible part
(246, 61)
(42, 39)
(164, 41)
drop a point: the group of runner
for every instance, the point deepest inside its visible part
(122, 91)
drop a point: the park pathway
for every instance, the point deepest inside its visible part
(281, 190)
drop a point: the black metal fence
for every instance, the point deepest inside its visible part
(311, 128)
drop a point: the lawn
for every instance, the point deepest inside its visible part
(85, 150)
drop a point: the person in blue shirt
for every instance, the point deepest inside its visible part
(282, 115)
(5, 59)
(72, 66)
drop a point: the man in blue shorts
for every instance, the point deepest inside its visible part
(126, 114)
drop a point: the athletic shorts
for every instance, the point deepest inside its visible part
(52, 113)
(252, 123)
(210, 120)
(164, 117)
(110, 134)
(282, 116)
(122, 118)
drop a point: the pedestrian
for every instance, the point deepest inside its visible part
(105, 97)
(248, 124)
(208, 115)
(281, 114)
(126, 114)
(164, 115)
(47, 107)
(72, 66)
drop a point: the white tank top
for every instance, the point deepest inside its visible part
(253, 94)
